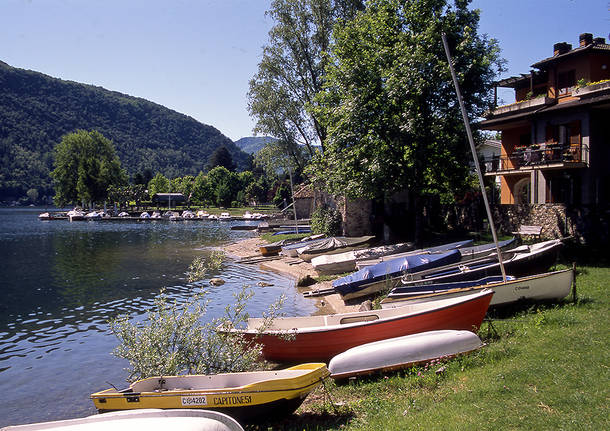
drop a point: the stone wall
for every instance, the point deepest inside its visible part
(588, 225)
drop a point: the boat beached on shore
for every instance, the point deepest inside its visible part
(402, 352)
(245, 396)
(540, 287)
(319, 338)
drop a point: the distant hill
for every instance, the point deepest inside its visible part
(253, 144)
(36, 110)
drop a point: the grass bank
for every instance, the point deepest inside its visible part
(544, 367)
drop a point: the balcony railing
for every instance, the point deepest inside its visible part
(534, 157)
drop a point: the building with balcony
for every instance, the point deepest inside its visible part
(555, 145)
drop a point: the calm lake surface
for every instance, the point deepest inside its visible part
(60, 282)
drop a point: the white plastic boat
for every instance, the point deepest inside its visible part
(539, 287)
(146, 419)
(402, 352)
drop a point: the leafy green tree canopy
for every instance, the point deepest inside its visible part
(85, 166)
(221, 157)
(291, 71)
(389, 107)
(159, 184)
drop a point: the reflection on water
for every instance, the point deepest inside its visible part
(60, 282)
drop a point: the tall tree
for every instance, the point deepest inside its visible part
(159, 184)
(390, 110)
(291, 71)
(85, 166)
(221, 157)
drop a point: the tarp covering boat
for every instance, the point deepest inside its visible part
(334, 244)
(363, 262)
(353, 283)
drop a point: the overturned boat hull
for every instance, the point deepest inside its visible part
(402, 352)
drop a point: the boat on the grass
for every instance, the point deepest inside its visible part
(319, 338)
(386, 275)
(483, 250)
(520, 261)
(148, 419)
(245, 396)
(362, 263)
(332, 245)
(346, 261)
(402, 352)
(540, 287)
(225, 216)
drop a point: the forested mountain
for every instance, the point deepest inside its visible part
(36, 110)
(252, 144)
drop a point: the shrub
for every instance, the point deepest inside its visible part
(326, 220)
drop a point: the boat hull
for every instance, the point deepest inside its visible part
(279, 391)
(549, 286)
(353, 329)
(402, 352)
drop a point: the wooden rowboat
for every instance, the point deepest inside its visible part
(539, 287)
(319, 338)
(402, 352)
(145, 419)
(244, 396)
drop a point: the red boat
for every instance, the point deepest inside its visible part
(319, 338)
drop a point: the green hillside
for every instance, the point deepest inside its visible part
(252, 144)
(36, 110)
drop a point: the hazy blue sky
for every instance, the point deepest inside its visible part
(197, 56)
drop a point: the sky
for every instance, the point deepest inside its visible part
(197, 56)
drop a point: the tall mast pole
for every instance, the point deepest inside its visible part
(474, 155)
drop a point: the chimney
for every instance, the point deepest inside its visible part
(585, 39)
(600, 41)
(561, 48)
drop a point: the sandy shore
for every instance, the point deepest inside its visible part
(327, 304)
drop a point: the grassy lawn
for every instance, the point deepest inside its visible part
(545, 367)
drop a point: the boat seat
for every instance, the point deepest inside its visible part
(355, 319)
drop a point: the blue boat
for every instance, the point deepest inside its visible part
(387, 274)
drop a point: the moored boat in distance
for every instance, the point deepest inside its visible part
(75, 214)
(245, 396)
(402, 352)
(540, 287)
(319, 338)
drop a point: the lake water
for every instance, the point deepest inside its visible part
(60, 282)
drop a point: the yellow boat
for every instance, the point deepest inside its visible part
(244, 396)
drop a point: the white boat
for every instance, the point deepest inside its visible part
(540, 287)
(224, 216)
(123, 214)
(75, 215)
(212, 217)
(156, 214)
(93, 215)
(145, 419)
(346, 261)
(202, 214)
(186, 214)
(247, 215)
(144, 215)
(402, 352)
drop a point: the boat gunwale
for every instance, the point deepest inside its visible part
(339, 327)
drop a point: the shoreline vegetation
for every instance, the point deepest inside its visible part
(544, 366)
